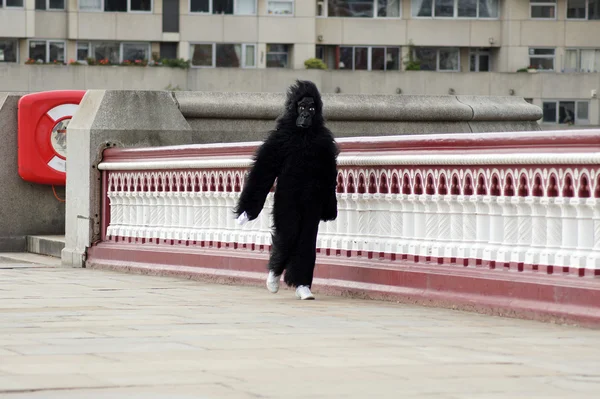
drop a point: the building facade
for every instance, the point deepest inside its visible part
(444, 37)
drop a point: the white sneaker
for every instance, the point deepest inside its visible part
(273, 282)
(303, 292)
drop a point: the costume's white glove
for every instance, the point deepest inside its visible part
(243, 218)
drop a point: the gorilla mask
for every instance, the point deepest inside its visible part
(306, 112)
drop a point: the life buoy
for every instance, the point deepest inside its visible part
(42, 123)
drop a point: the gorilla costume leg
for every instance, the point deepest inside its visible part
(301, 263)
(284, 240)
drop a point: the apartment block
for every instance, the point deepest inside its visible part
(444, 37)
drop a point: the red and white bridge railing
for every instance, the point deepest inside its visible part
(524, 201)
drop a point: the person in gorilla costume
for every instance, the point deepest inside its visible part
(301, 153)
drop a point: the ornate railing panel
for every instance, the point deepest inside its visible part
(529, 201)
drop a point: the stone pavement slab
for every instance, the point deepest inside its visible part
(77, 333)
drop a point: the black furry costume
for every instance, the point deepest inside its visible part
(302, 154)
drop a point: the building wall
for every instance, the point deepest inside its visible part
(512, 34)
(508, 37)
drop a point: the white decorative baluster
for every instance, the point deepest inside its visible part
(127, 214)
(593, 259)
(442, 246)
(456, 225)
(538, 230)
(395, 224)
(409, 231)
(353, 226)
(161, 216)
(554, 231)
(151, 211)
(419, 224)
(483, 226)
(464, 226)
(496, 237)
(569, 231)
(339, 239)
(524, 233)
(364, 215)
(585, 232)
(510, 229)
(429, 206)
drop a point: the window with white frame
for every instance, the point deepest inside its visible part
(47, 51)
(11, 3)
(232, 7)
(278, 55)
(359, 8)
(224, 55)
(280, 7)
(582, 60)
(43, 5)
(116, 5)
(583, 9)
(570, 112)
(542, 58)
(369, 58)
(113, 52)
(438, 59)
(479, 60)
(8, 50)
(542, 9)
(455, 8)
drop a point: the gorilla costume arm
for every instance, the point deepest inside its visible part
(330, 207)
(267, 162)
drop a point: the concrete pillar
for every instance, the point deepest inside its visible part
(109, 118)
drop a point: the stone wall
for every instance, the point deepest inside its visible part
(25, 208)
(234, 117)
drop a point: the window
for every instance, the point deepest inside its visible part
(49, 5)
(542, 58)
(83, 51)
(359, 8)
(113, 52)
(224, 55)
(115, 5)
(438, 59)
(455, 8)
(369, 58)
(280, 7)
(11, 3)
(110, 51)
(583, 9)
(582, 60)
(542, 9)
(8, 50)
(135, 51)
(277, 55)
(237, 7)
(479, 60)
(47, 51)
(566, 112)
(168, 50)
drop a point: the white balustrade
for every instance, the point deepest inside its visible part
(500, 214)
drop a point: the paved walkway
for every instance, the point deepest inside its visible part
(76, 333)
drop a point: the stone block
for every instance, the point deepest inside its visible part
(25, 208)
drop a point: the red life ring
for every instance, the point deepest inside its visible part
(42, 123)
